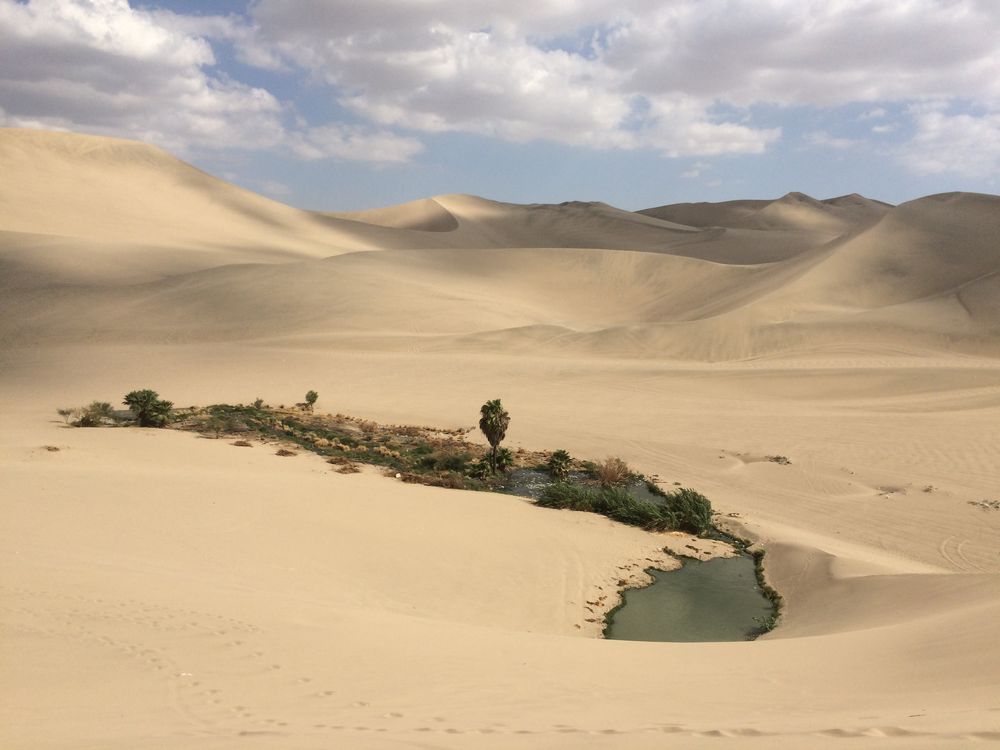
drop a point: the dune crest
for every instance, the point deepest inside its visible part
(201, 260)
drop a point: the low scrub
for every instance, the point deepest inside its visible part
(684, 510)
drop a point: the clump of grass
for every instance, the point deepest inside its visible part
(780, 460)
(612, 472)
(684, 510)
(692, 510)
(614, 503)
(285, 452)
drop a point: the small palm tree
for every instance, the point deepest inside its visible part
(559, 463)
(505, 460)
(493, 422)
(149, 409)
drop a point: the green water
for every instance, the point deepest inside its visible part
(714, 600)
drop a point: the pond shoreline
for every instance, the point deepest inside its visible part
(765, 622)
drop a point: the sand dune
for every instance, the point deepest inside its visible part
(779, 277)
(793, 211)
(164, 591)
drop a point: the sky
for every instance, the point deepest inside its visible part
(349, 104)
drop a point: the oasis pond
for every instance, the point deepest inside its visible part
(711, 600)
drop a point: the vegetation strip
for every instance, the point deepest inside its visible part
(439, 458)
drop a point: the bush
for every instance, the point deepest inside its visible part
(559, 464)
(94, 415)
(220, 423)
(684, 510)
(311, 398)
(615, 503)
(440, 460)
(692, 511)
(568, 496)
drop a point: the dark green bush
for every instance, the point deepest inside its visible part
(444, 461)
(685, 510)
(692, 511)
(615, 503)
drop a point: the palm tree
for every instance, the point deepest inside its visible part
(559, 464)
(493, 422)
(149, 409)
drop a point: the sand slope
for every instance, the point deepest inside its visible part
(160, 590)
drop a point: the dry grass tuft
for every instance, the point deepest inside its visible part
(612, 471)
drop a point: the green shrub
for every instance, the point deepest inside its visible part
(568, 496)
(440, 460)
(94, 415)
(220, 423)
(615, 503)
(692, 511)
(685, 510)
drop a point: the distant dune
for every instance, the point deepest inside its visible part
(121, 225)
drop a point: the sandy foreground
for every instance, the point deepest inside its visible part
(160, 590)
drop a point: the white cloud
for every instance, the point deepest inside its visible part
(820, 52)
(695, 170)
(824, 140)
(962, 144)
(503, 71)
(102, 67)
(627, 73)
(355, 144)
(608, 74)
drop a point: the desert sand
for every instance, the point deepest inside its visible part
(159, 590)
